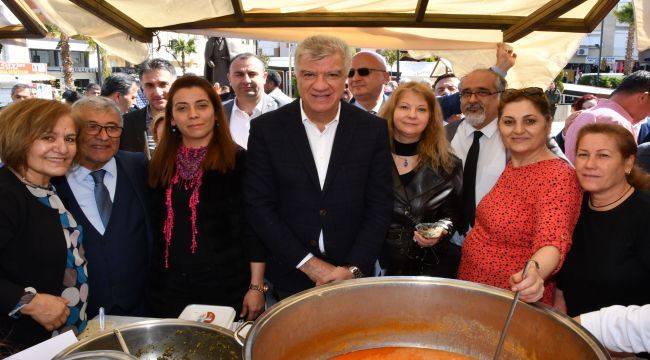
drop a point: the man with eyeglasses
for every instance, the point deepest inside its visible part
(476, 140)
(366, 79)
(107, 194)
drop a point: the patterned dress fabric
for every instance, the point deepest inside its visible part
(75, 278)
(529, 207)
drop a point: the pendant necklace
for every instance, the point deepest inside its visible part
(404, 151)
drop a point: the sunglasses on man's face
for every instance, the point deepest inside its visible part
(363, 71)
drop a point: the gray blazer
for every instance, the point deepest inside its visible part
(268, 104)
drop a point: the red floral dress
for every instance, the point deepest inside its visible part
(528, 208)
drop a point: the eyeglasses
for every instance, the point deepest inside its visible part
(479, 93)
(363, 71)
(113, 131)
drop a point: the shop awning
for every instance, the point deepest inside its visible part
(545, 33)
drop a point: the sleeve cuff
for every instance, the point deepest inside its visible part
(498, 70)
(309, 256)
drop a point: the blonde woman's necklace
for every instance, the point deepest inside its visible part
(405, 152)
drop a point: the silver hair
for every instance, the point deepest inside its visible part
(317, 47)
(500, 83)
(99, 104)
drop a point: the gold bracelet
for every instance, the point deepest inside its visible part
(261, 288)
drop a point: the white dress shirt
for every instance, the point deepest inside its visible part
(619, 328)
(491, 158)
(83, 188)
(240, 123)
(321, 144)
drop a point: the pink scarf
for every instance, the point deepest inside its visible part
(188, 174)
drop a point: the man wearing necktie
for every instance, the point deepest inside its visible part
(106, 192)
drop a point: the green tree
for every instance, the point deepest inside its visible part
(390, 56)
(93, 46)
(66, 55)
(181, 48)
(626, 15)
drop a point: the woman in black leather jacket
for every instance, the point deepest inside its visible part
(427, 185)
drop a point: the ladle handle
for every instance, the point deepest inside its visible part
(238, 336)
(512, 312)
(120, 339)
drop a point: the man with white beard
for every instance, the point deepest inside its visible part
(476, 140)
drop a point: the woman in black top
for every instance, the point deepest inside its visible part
(609, 262)
(43, 277)
(201, 255)
(427, 185)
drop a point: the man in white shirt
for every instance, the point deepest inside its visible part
(272, 87)
(247, 78)
(366, 79)
(480, 93)
(318, 186)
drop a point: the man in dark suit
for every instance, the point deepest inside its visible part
(318, 186)
(247, 78)
(107, 194)
(156, 77)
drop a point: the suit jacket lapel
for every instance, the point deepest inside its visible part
(298, 135)
(344, 134)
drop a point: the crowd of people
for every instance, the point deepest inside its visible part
(240, 203)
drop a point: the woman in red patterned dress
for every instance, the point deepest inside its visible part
(530, 212)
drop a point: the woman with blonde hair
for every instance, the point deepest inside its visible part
(201, 255)
(427, 185)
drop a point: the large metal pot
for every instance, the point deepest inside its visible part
(166, 339)
(435, 313)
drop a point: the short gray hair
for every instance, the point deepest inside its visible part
(19, 87)
(317, 47)
(157, 64)
(500, 83)
(97, 103)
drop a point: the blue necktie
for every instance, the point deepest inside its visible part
(102, 196)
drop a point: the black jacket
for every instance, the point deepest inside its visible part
(430, 196)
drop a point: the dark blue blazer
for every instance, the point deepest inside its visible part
(644, 133)
(118, 261)
(287, 209)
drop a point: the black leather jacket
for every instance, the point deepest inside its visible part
(430, 196)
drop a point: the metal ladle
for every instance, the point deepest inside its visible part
(511, 313)
(120, 339)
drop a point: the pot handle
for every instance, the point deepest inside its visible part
(238, 337)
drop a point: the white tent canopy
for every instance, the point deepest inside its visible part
(544, 33)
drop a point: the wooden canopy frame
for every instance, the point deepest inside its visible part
(31, 26)
(546, 18)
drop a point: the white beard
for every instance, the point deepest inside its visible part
(475, 118)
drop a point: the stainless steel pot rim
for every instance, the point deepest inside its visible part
(147, 324)
(414, 281)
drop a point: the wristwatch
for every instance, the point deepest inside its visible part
(261, 288)
(355, 272)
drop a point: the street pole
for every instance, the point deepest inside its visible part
(600, 51)
(398, 74)
(100, 79)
